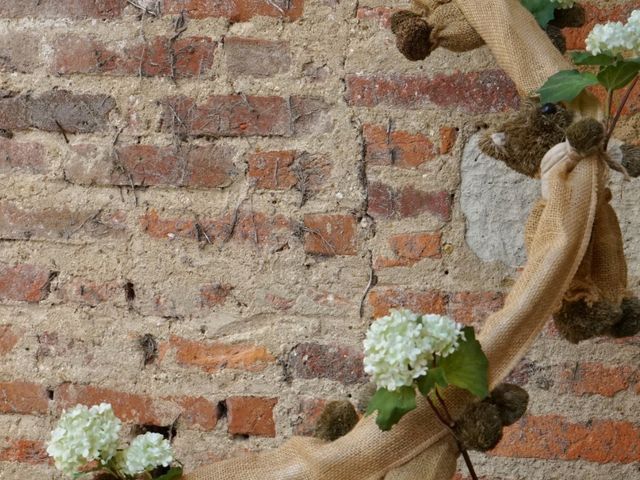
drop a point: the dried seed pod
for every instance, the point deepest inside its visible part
(511, 400)
(337, 419)
(413, 37)
(400, 17)
(586, 136)
(557, 38)
(577, 321)
(631, 159)
(480, 427)
(629, 323)
(573, 17)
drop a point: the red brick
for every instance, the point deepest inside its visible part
(56, 110)
(255, 227)
(212, 357)
(23, 398)
(429, 301)
(148, 165)
(214, 294)
(488, 91)
(381, 14)
(409, 248)
(396, 147)
(198, 412)
(557, 438)
(25, 451)
(54, 224)
(330, 234)
(8, 338)
(29, 157)
(310, 410)
(273, 170)
(238, 11)
(597, 379)
(334, 362)
(88, 292)
(256, 57)
(24, 283)
(227, 115)
(473, 308)
(251, 416)
(182, 58)
(386, 202)
(104, 9)
(20, 52)
(448, 137)
(576, 36)
(310, 115)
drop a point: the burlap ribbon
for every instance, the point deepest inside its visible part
(418, 448)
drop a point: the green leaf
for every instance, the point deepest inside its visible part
(391, 406)
(586, 58)
(617, 76)
(468, 366)
(172, 474)
(435, 376)
(565, 86)
(542, 10)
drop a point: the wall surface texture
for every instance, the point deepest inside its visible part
(194, 199)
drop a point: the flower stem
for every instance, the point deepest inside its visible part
(612, 125)
(450, 424)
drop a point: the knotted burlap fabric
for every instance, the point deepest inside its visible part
(419, 448)
(451, 30)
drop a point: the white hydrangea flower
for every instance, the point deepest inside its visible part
(564, 4)
(615, 38)
(633, 29)
(84, 435)
(399, 347)
(146, 452)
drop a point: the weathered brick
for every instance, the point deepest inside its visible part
(330, 234)
(214, 294)
(448, 137)
(104, 9)
(310, 115)
(89, 292)
(256, 57)
(251, 416)
(487, 91)
(555, 437)
(396, 147)
(198, 412)
(20, 52)
(587, 378)
(594, 14)
(208, 166)
(228, 115)
(25, 283)
(283, 170)
(428, 301)
(334, 362)
(212, 357)
(54, 224)
(255, 227)
(160, 56)
(381, 14)
(473, 308)
(410, 248)
(237, 11)
(23, 397)
(29, 157)
(8, 338)
(309, 413)
(387, 202)
(56, 111)
(25, 451)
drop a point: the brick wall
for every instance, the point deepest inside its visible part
(191, 207)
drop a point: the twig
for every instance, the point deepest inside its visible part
(62, 131)
(619, 112)
(87, 220)
(144, 9)
(372, 277)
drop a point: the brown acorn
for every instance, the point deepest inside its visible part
(511, 400)
(337, 419)
(412, 35)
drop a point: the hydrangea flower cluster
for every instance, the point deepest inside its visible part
(615, 38)
(84, 435)
(146, 452)
(399, 347)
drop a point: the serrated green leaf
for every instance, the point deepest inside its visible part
(173, 474)
(542, 10)
(565, 86)
(468, 366)
(391, 406)
(617, 76)
(586, 58)
(435, 376)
